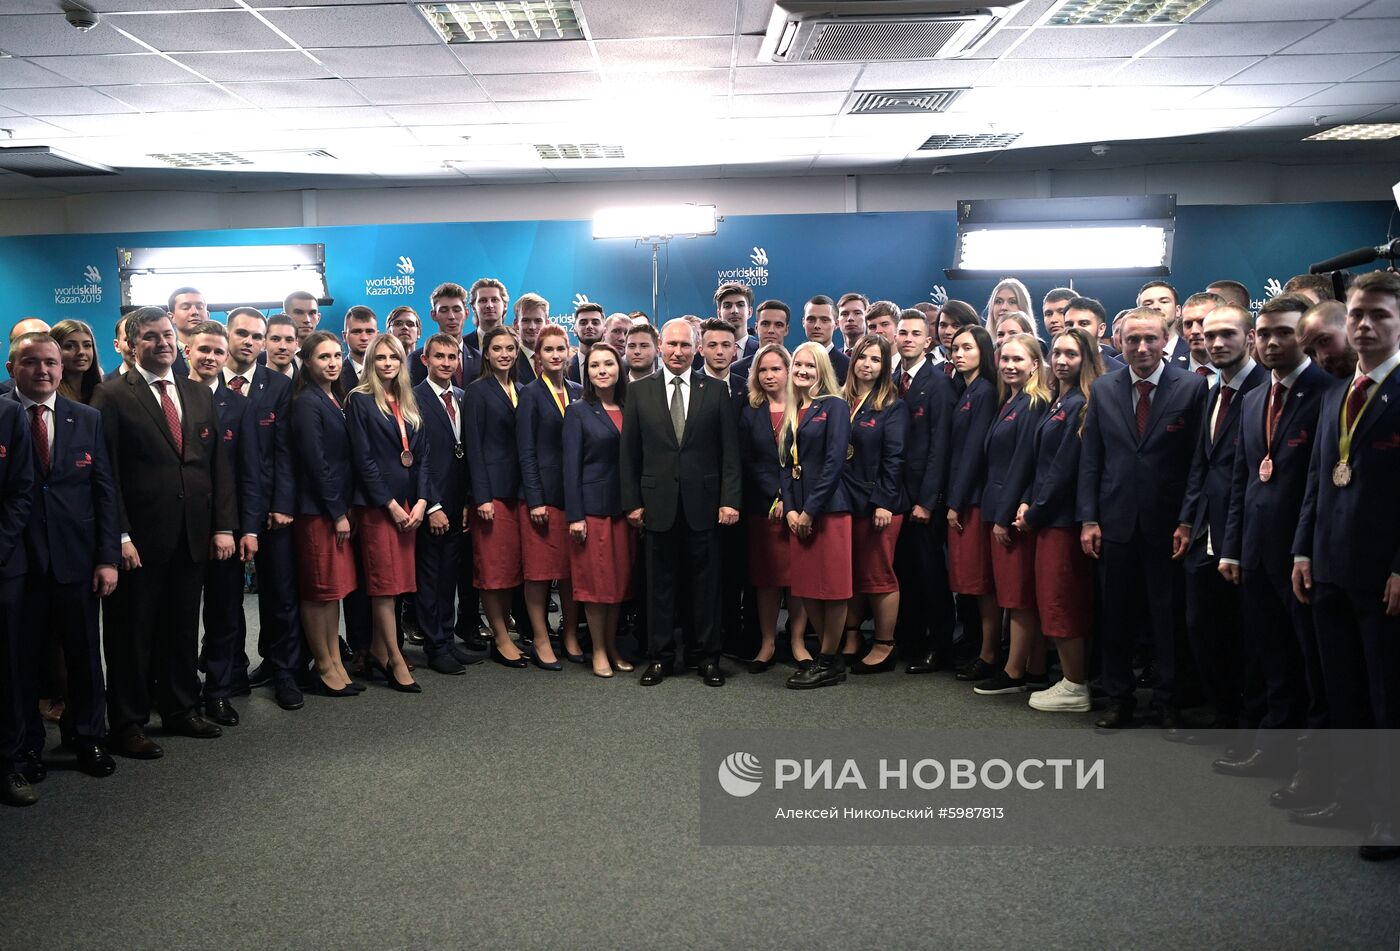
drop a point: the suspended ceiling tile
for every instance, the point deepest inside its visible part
(27, 74)
(1055, 72)
(922, 74)
(50, 35)
(563, 56)
(117, 69)
(1182, 71)
(793, 104)
(196, 97)
(1252, 11)
(1345, 37)
(307, 92)
(373, 25)
(1348, 94)
(445, 114)
(1315, 68)
(621, 19)
(749, 80)
(1277, 95)
(694, 52)
(517, 87)
(1087, 41)
(199, 32)
(1227, 39)
(421, 89)
(72, 101)
(389, 61)
(273, 66)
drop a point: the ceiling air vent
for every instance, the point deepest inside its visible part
(890, 102)
(588, 150)
(199, 159)
(40, 161)
(813, 31)
(981, 140)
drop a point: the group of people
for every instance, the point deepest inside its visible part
(1187, 485)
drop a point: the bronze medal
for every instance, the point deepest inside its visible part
(850, 452)
(1266, 469)
(797, 472)
(406, 458)
(1341, 475)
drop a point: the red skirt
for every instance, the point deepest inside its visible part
(1064, 583)
(544, 550)
(1013, 571)
(602, 566)
(872, 555)
(969, 561)
(324, 572)
(821, 565)
(496, 548)
(386, 554)
(768, 552)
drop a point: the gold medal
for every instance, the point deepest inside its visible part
(850, 453)
(1341, 475)
(1266, 469)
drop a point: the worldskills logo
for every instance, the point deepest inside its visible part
(87, 291)
(754, 275)
(395, 285)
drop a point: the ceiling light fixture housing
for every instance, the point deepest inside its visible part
(1123, 12)
(504, 21)
(40, 161)
(1357, 132)
(821, 31)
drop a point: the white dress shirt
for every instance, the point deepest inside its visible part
(174, 391)
(229, 374)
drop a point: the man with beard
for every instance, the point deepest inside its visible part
(588, 327)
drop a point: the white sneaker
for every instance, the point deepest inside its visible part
(1063, 697)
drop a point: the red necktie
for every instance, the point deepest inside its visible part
(172, 416)
(1203, 371)
(236, 384)
(1144, 406)
(447, 405)
(1276, 401)
(41, 435)
(1226, 394)
(1356, 399)
(905, 382)
(461, 359)
(948, 369)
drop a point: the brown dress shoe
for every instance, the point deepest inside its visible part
(134, 744)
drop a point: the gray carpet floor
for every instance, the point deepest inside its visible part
(524, 809)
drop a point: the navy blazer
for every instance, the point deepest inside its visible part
(539, 443)
(16, 487)
(739, 376)
(380, 477)
(271, 396)
(489, 433)
(470, 364)
(822, 438)
(1010, 463)
(1207, 502)
(874, 474)
(1112, 360)
(1263, 516)
(592, 470)
(1050, 495)
(840, 363)
(926, 448)
(972, 416)
(325, 474)
(447, 474)
(1352, 534)
(1180, 355)
(1128, 484)
(73, 524)
(758, 448)
(235, 416)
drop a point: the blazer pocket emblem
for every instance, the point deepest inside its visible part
(919, 413)
(270, 420)
(228, 435)
(966, 407)
(83, 461)
(1176, 425)
(1390, 442)
(1300, 439)
(204, 432)
(1011, 418)
(869, 423)
(1059, 417)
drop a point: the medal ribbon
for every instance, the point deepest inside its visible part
(1348, 427)
(398, 418)
(557, 401)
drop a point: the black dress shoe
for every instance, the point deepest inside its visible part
(262, 675)
(653, 675)
(1381, 845)
(518, 663)
(467, 657)
(1332, 814)
(192, 725)
(221, 712)
(979, 669)
(30, 763)
(711, 674)
(473, 641)
(93, 759)
(1116, 717)
(1256, 763)
(827, 671)
(928, 663)
(134, 744)
(1304, 789)
(757, 666)
(446, 664)
(16, 791)
(287, 694)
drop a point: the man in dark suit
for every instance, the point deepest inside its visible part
(924, 627)
(1139, 434)
(1162, 297)
(1278, 425)
(1323, 331)
(818, 322)
(361, 325)
(739, 639)
(1347, 563)
(222, 658)
(305, 312)
(1227, 671)
(680, 478)
(20, 763)
(441, 536)
(1090, 316)
(1194, 311)
(72, 549)
(588, 328)
(449, 302)
(29, 325)
(176, 506)
(280, 642)
(850, 317)
(488, 298)
(771, 322)
(733, 304)
(531, 314)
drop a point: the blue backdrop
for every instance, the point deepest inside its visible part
(899, 256)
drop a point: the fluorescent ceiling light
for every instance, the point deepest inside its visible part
(1358, 132)
(504, 21)
(1012, 250)
(1111, 12)
(655, 221)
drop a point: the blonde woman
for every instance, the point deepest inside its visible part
(1011, 324)
(812, 452)
(391, 494)
(1009, 296)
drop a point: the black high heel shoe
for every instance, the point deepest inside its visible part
(546, 665)
(499, 658)
(328, 691)
(889, 663)
(411, 687)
